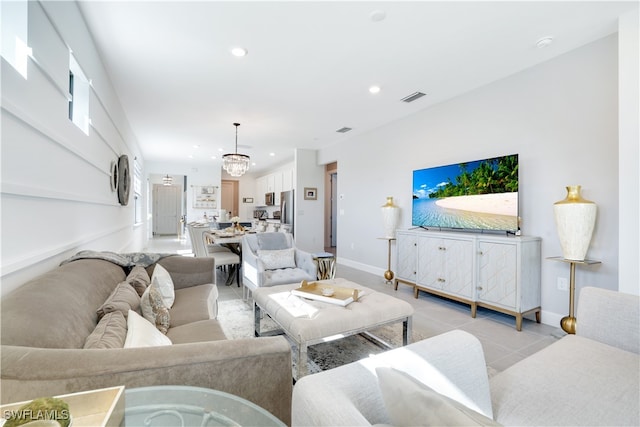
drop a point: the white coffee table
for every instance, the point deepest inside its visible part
(372, 310)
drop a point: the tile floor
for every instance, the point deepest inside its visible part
(503, 345)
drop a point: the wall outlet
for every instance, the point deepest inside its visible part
(563, 284)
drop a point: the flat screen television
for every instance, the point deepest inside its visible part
(481, 195)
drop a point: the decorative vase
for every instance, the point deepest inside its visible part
(575, 218)
(390, 218)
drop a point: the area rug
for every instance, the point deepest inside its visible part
(236, 320)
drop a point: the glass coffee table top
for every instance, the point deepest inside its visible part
(191, 406)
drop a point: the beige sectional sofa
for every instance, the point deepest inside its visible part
(590, 378)
(46, 322)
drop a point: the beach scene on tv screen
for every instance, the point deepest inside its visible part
(477, 195)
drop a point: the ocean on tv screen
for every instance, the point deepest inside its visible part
(478, 195)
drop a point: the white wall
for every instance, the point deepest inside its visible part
(56, 196)
(309, 220)
(629, 157)
(560, 117)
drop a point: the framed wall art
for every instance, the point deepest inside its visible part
(204, 197)
(310, 193)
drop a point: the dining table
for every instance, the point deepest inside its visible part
(232, 241)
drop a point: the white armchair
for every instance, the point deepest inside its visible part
(270, 259)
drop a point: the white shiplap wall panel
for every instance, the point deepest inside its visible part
(56, 197)
(49, 49)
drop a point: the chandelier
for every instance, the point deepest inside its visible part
(167, 180)
(236, 164)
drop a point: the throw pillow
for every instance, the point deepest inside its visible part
(274, 260)
(139, 279)
(164, 283)
(410, 402)
(154, 310)
(123, 298)
(141, 333)
(110, 332)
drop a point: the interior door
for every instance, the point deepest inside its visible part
(166, 209)
(229, 197)
(334, 210)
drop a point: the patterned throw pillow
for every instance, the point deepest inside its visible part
(160, 311)
(154, 309)
(274, 260)
(139, 279)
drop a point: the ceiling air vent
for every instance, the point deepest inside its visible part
(344, 130)
(413, 97)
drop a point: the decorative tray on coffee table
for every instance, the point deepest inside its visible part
(326, 293)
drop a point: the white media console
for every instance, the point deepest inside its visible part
(501, 273)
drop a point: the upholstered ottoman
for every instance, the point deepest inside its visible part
(323, 320)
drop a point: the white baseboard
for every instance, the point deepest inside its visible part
(360, 266)
(551, 319)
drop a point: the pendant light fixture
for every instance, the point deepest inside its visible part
(167, 180)
(236, 164)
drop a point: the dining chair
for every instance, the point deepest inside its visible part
(224, 257)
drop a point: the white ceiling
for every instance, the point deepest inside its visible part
(310, 65)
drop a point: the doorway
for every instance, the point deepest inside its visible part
(331, 208)
(229, 198)
(166, 210)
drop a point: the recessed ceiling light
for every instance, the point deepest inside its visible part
(196, 146)
(374, 89)
(239, 51)
(377, 15)
(544, 42)
(272, 154)
(213, 157)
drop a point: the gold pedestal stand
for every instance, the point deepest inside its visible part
(568, 323)
(388, 275)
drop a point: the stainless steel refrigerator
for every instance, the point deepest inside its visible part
(287, 211)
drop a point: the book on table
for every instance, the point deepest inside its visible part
(328, 293)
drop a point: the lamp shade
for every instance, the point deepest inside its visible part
(390, 218)
(575, 220)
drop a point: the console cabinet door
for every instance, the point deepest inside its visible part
(407, 256)
(430, 263)
(497, 274)
(458, 260)
(446, 265)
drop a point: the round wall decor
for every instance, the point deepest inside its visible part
(113, 178)
(124, 180)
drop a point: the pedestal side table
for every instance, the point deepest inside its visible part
(388, 275)
(568, 323)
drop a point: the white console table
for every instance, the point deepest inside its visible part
(501, 273)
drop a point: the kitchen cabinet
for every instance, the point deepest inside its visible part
(277, 186)
(287, 180)
(501, 273)
(261, 190)
(276, 183)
